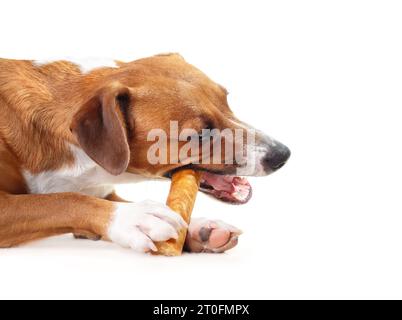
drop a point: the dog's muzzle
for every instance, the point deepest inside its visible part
(264, 156)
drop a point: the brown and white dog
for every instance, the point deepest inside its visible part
(70, 131)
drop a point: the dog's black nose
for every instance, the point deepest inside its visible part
(277, 156)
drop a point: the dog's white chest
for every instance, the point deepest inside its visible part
(89, 183)
(85, 177)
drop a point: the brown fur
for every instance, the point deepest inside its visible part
(108, 113)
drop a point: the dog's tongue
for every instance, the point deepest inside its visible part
(227, 188)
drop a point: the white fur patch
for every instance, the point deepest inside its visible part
(138, 225)
(86, 65)
(254, 162)
(85, 176)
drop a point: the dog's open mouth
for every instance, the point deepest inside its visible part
(230, 189)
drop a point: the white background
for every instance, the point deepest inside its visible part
(324, 77)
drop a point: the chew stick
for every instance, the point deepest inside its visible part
(182, 194)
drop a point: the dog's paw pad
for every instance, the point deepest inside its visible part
(211, 236)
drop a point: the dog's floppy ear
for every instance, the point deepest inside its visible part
(101, 129)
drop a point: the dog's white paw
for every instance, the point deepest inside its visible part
(139, 225)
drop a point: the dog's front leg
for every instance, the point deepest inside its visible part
(83, 234)
(210, 236)
(29, 217)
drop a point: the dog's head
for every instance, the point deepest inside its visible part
(160, 114)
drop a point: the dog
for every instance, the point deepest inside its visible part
(70, 131)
